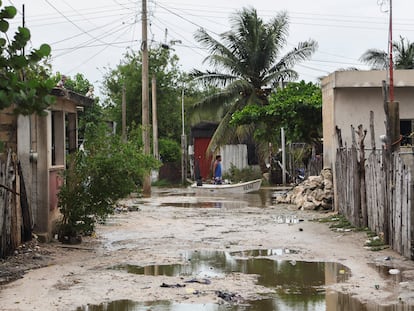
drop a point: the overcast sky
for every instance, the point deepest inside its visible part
(91, 36)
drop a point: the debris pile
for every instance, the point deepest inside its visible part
(314, 193)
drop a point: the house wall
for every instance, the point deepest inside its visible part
(36, 148)
(349, 96)
(233, 155)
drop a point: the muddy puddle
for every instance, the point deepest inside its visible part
(261, 198)
(389, 272)
(333, 302)
(296, 285)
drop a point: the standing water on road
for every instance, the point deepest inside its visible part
(292, 284)
(296, 285)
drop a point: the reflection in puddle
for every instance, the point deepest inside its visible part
(297, 285)
(333, 302)
(202, 204)
(261, 198)
(264, 252)
(389, 273)
(298, 277)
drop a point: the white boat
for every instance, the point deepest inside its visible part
(242, 187)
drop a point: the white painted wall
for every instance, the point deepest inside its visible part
(233, 154)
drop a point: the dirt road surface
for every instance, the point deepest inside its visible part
(172, 223)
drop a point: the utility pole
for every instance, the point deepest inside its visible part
(124, 136)
(183, 143)
(23, 24)
(391, 64)
(145, 98)
(393, 106)
(154, 118)
(282, 134)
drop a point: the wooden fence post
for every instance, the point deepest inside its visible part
(361, 137)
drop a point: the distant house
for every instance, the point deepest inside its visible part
(349, 96)
(40, 145)
(239, 155)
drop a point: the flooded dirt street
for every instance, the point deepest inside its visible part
(176, 251)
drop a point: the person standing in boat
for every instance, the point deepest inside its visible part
(217, 170)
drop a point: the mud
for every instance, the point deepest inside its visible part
(173, 222)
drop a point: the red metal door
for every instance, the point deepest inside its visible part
(204, 162)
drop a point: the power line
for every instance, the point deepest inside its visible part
(91, 41)
(64, 16)
(184, 18)
(90, 30)
(93, 56)
(113, 44)
(48, 19)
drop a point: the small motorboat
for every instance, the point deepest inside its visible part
(238, 188)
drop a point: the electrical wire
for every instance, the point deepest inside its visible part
(184, 18)
(71, 22)
(93, 56)
(72, 49)
(90, 30)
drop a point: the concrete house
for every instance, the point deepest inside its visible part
(349, 96)
(41, 145)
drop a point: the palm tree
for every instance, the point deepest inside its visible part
(247, 64)
(403, 56)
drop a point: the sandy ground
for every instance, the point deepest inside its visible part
(172, 223)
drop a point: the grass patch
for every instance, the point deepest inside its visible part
(375, 243)
(337, 222)
(340, 223)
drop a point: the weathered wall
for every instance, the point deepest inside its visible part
(349, 96)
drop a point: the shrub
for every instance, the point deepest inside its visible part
(245, 174)
(170, 150)
(108, 170)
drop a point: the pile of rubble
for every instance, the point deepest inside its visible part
(314, 193)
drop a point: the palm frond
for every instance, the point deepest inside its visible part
(215, 47)
(225, 132)
(211, 78)
(303, 51)
(246, 59)
(281, 75)
(404, 54)
(377, 59)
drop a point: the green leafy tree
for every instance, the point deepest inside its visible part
(24, 80)
(89, 115)
(170, 150)
(79, 84)
(248, 62)
(403, 53)
(297, 108)
(97, 177)
(164, 66)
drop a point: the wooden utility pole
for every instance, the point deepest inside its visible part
(183, 143)
(145, 98)
(282, 133)
(391, 62)
(124, 136)
(393, 107)
(154, 118)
